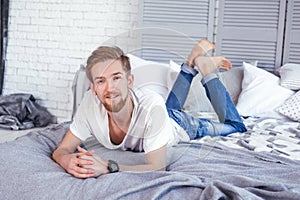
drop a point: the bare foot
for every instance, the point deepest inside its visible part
(199, 49)
(207, 65)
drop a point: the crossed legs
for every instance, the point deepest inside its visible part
(229, 118)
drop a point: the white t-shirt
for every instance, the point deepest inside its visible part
(150, 127)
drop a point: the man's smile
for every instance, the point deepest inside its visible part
(112, 96)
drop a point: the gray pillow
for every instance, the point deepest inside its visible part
(197, 100)
(232, 80)
(79, 87)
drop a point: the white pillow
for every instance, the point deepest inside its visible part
(261, 92)
(152, 77)
(290, 76)
(136, 62)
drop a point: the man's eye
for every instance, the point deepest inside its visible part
(100, 81)
(117, 77)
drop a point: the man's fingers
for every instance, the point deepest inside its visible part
(82, 150)
(83, 160)
(80, 155)
(80, 172)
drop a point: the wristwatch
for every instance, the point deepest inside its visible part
(113, 166)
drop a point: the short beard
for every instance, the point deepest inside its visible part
(116, 107)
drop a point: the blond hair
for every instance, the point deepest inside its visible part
(104, 53)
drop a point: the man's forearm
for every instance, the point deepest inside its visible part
(146, 167)
(58, 154)
(67, 146)
(156, 161)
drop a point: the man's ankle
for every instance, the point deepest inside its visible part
(189, 70)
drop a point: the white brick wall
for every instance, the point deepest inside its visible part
(49, 39)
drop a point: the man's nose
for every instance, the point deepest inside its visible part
(110, 85)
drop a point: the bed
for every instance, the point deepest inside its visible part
(263, 163)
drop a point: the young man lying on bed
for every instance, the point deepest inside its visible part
(121, 117)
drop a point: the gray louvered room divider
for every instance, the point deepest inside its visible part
(267, 31)
(252, 31)
(292, 33)
(170, 28)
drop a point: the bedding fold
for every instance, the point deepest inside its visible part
(21, 111)
(195, 171)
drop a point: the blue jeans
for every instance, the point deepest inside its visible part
(230, 120)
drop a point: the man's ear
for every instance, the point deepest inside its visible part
(130, 80)
(92, 88)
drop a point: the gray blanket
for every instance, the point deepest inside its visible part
(195, 171)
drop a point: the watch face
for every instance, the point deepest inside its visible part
(113, 166)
